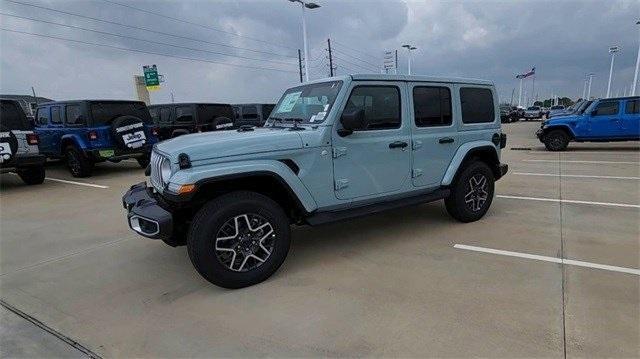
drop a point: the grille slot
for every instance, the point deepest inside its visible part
(156, 171)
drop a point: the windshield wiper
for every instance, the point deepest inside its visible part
(274, 120)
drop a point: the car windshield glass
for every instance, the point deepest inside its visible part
(308, 104)
(12, 117)
(103, 113)
(583, 107)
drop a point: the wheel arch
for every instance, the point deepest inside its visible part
(564, 128)
(73, 140)
(484, 151)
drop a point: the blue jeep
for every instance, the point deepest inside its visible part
(605, 120)
(85, 132)
(331, 150)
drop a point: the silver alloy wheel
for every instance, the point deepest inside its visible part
(245, 242)
(477, 195)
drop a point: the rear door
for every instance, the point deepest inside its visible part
(376, 160)
(605, 120)
(433, 132)
(631, 119)
(45, 132)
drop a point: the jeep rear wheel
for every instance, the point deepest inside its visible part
(239, 239)
(31, 175)
(471, 193)
(556, 140)
(79, 165)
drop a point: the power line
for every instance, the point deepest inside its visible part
(354, 50)
(354, 64)
(145, 29)
(366, 62)
(195, 24)
(145, 40)
(145, 52)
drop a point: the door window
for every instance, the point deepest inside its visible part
(56, 118)
(381, 106)
(432, 106)
(184, 114)
(606, 109)
(74, 115)
(249, 113)
(477, 105)
(632, 107)
(165, 115)
(43, 116)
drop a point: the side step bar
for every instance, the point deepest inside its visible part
(348, 213)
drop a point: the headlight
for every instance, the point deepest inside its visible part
(165, 171)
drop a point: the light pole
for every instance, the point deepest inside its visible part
(590, 76)
(612, 51)
(409, 49)
(308, 5)
(584, 88)
(635, 76)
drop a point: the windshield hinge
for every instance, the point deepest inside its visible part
(341, 183)
(416, 144)
(339, 151)
(416, 173)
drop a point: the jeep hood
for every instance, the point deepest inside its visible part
(217, 144)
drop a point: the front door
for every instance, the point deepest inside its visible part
(605, 120)
(631, 119)
(376, 159)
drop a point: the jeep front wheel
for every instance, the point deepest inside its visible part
(556, 140)
(239, 239)
(471, 193)
(79, 165)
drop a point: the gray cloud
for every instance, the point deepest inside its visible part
(493, 40)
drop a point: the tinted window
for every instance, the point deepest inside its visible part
(43, 116)
(154, 113)
(606, 108)
(73, 115)
(208, 113)
(381, 106)
(104, 112)
(184, 114)
(12, 117)
(55, 114)
(266, 111)
(432, 106)
(477, 105)
(165, 115)
(249, 112)
(633, 106)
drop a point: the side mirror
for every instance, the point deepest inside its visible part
(352, 121)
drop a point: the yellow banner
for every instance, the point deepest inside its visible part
(153, 88)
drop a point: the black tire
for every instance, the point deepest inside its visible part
(213, 222)
(463, 189)
(31, 175)
(144, 160)
(556, 140)
(129, 127)
(79, 165)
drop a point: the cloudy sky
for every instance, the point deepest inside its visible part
(483, 39)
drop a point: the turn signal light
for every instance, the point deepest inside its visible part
(186, 188)
(93, 135)
(32, 139)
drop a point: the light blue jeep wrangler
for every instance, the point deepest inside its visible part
(331, 150)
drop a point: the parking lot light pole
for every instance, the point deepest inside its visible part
(612, 51)
(584, 88)
(303, 5)
(409, 49)
(589, 87)
(635, 76)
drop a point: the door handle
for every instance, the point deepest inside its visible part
(445, 140)
(398, 144)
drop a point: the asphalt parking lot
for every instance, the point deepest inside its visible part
(551, 271)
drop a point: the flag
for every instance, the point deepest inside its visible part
(525, 75)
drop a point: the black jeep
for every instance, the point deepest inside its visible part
(175, 119)
(252, 114)
(19, 151)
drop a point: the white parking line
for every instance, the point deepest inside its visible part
(608, 204)
(76, 183)
(549, 259)
(580, 161)
(574, 176)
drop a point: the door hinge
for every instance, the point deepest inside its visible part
(339, 151)
(416, 173)
(416, 144)
(341, 183)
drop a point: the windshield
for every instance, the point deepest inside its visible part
(583, 106)
(103, 113)
(308, 104)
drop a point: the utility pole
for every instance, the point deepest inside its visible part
(612, 51)
(330, 58)
(172, 99)
(300, 65)
(395, 71)
(635, 76)
(512, 92)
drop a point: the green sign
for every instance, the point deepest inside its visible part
(151, 78)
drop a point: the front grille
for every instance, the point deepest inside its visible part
(156, 171)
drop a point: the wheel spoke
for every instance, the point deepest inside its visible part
(244, 237)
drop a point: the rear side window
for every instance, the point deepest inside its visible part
(184, 114)
(266, 111)
(381, 106)
(477, 105)
(55, 115)
(606, 108)
(432, 106)
(12, 117)
(208, 113)
(43, 116)
(153, 112)
(249, 112)
(632, 107)
(74, 115)
(165, 115)
(103, 113)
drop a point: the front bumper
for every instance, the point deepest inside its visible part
(144, 215)
(540, 134)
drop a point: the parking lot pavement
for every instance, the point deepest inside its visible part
(386, 285)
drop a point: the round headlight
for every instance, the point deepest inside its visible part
(165, 171)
